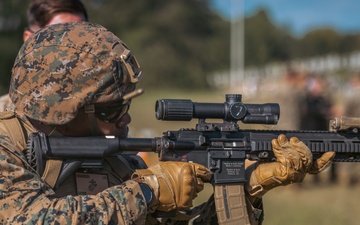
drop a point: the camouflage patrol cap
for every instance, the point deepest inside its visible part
(63, 67)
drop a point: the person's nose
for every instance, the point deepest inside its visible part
(123, 121)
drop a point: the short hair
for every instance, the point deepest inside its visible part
(40, 12)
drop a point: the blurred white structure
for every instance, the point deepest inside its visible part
(334, 67)
(236, 42)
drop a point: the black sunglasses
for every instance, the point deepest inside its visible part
(112, 114)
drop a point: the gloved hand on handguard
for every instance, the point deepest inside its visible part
(293, 161)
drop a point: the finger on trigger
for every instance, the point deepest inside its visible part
(200, 185)
(202, 172)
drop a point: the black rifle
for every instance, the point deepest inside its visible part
(222, 147)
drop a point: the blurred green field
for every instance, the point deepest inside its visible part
(313, 205)
(309, 204)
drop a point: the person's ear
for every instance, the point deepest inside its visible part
(27, 34)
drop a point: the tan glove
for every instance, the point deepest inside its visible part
(293, 161)
(174, 184)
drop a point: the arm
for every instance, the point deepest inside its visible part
(25, 199)
(293, 161)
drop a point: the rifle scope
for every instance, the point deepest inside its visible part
(231, 110)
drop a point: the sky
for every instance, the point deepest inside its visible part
(299, 15)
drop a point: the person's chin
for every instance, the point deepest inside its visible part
(122, 132)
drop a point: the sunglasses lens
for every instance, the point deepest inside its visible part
(114, 116)
(111, 115)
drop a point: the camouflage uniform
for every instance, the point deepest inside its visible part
(5, 102)
(76, 54)
(27, 199)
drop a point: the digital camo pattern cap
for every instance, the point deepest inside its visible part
(65, 66)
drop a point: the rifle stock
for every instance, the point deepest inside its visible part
(222, 147)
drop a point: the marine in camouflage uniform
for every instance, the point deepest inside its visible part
(77, 79)
(58, 71)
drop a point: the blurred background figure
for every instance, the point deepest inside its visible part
(316, 110)
(352, 93)
(41, 13)
(289, 94)
(349, 172)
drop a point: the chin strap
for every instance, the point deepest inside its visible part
(90, 112)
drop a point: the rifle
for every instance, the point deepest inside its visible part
(222, 147)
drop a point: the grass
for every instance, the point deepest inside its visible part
(291, 205)
(308, 204)
(314, 205)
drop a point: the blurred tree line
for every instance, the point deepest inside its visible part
(178, 43)
(265, 42)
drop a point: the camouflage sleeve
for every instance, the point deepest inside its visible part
(26, 199)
